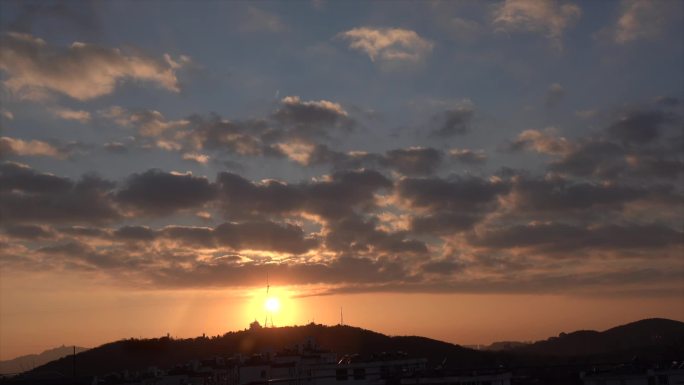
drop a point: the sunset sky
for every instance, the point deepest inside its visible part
(467, 171)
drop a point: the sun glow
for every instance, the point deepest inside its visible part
(272, 304)
(278, 307)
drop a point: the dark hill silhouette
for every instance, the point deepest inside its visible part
(633, 338)
(650, 339)
(167, 352)
(30, 361)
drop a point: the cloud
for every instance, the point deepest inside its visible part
(334, 197)
(543, 142)
(561, 197)
(292, 130)
(463, 30)
(639, 143)
(68, 114)
(81, 71)
(7, 114)
(541, 16)
(353, 234)
(19, 147)
(468, 156)
(259, 20)
(357, 229)
(406, 161)
(413, 160)
(30, 196)
(311, 118)
(159, 193)
(446, 206)
(28, 232)
(554, 94)
(271, 236)
(640, 126)
(116, 147)
(149, 123)
(643, 19)
(388, 44)
(455, 120)
(196, 157)
(565, 238)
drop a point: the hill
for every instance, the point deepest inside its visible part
(636, 338)
(167, 352)
(30, 361)
(652, 339)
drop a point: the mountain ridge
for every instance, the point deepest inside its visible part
(30, 361)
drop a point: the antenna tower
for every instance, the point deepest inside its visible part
(268, 287)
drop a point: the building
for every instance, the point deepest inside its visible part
(636, 375)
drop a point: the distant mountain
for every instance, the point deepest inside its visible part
(655, 335)
(28, 362)
(504, 345)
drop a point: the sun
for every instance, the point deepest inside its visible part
(272, 304)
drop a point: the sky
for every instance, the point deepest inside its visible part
(466, 171)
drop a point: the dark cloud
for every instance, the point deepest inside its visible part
(406, 161)
(436, 194)
(442, 267)
(445, 223)
(271, 236)
(567, 238)
(252, 235)
(311, 119)
(27, 195)
(353, 234)
(454, 121)
(344, 192)
(190, 236)
(334, 197)
(15, 176)
(640, 127)
(294, 123)
(28, 232)
(159, 192)
(592, 159)
(135, 233)
(238, 137)
(559, 195)
(414, 160)
(447, 206)
(242, 197)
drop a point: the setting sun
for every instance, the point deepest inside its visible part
(272, 305)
